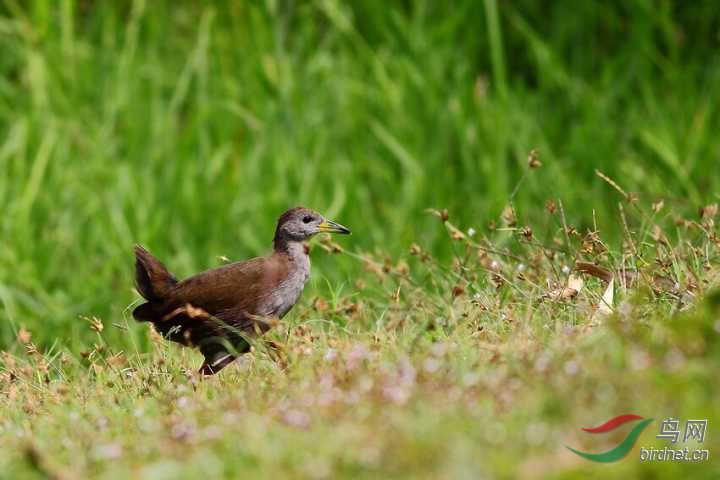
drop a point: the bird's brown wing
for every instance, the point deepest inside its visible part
(234, 286)
(216, 309)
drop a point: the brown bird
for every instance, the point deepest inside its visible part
(218, 309)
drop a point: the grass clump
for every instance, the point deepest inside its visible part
(190, 128)
(483, 365)
(472, 341)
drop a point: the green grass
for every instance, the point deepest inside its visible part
(484, 366)
(190, 128)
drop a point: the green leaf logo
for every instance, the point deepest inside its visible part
(624, 447)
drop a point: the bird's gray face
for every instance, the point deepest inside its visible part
(300, 224)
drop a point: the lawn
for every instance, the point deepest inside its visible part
(533, 196)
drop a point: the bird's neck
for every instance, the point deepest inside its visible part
(299, 260)
(296, 251)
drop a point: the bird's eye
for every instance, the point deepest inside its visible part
(307, 219)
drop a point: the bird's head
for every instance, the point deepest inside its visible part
(299, 224)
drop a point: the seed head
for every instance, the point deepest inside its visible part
(533, 160)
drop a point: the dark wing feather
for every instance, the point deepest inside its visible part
(152, 279)
(218, 306)
(231, 292)
(215, 310)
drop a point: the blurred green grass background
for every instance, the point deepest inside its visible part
(189, 127)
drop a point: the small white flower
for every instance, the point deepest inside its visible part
(572, 367)
(566, 270)
(431, 365)
(494, 265)
(471, 232)
(521, 267)
(296, 418)
(330, 355)
(110, 451)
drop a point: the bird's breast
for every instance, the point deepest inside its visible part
(287, 293)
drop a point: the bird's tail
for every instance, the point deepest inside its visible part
(152, 279)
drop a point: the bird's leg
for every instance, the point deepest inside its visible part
(276, 351)
(209, 369)
(262, 323)
(216, 362)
